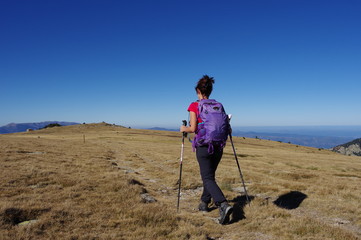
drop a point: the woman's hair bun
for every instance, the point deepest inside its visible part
(205, 85)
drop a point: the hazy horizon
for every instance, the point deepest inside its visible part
(312, 136)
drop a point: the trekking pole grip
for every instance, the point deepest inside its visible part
(184, 124)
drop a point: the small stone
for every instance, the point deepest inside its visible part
(27, 222)
(239, 189)
(146, 198)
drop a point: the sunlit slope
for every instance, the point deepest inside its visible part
(99, 181)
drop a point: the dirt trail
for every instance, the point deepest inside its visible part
(157, 171)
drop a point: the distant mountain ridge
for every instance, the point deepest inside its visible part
(350, 148)
(163, 129)
(326, 142)
(22, 127)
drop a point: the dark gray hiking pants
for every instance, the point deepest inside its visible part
(208, 164)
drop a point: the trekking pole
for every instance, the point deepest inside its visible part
(239, 168)
(181, 164)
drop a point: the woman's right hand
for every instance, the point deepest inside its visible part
(183, 128)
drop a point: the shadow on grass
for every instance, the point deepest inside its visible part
(291, 200)
(239, 203)
(14, 216)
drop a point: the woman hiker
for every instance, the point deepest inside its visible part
(208, 156)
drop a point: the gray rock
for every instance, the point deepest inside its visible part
(352, 148)
(146, 198)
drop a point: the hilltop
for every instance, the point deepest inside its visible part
(100, 181)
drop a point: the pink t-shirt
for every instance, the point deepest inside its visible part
(193, 107)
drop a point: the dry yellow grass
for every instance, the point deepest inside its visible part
(56, 186)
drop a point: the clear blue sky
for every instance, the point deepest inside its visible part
(135, 63)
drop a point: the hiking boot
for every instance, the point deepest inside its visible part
(203, 206)
(225, 210)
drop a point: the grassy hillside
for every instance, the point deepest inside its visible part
(122, 184)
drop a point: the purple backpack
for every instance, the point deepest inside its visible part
(214, 129)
